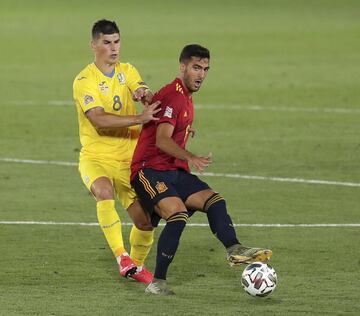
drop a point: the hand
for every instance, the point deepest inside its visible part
(149, 112)
(200, 163)
(191, 132)
(142, 94)
(138, 93)
(147, 98)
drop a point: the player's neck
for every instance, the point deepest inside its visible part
(105, 68)
(188, 92)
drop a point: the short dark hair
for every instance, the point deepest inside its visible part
(105, 27)
(193, 50)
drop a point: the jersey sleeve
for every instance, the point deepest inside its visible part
(86, 94)
(134, 80)
(171, 105)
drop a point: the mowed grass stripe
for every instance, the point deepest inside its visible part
(319, 225)
(239, 107)
(205, 174)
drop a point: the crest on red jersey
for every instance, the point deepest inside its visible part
(161, 187)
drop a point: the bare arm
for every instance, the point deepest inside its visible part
(168, 145)
(101, 119)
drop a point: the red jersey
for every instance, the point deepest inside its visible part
(176, 109)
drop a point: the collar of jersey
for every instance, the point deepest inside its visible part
(109, 74)
(106, 74)
(186, 91)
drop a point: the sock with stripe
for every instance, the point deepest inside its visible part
(168, 243)
(141, 242)
(110, 224)
(219, 220)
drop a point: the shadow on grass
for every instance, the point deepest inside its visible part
(260, 301)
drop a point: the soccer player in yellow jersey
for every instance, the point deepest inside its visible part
(104, 93)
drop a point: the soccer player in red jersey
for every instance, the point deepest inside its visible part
(161, 176)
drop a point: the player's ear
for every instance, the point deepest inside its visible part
(93, 45)
(182, 67)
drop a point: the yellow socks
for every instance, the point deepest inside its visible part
(140, 242)
(110, 224)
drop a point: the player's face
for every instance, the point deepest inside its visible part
(194, 73)
(106, 48)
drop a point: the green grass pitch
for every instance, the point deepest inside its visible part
(281, 100)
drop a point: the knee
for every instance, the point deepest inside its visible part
(144, 226)
(169, 207)
(104, 193)
(102, 188)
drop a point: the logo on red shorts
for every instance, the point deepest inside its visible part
(161, 187)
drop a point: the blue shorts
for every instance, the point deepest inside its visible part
(151, 186)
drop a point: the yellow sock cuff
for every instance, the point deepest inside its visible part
(142, 237)
(105, 204)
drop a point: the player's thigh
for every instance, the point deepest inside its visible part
(192, 190)
(96, 176)
(156, 192)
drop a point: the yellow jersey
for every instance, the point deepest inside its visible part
(92, 88)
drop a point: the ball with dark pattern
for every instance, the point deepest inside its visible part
(259, 279)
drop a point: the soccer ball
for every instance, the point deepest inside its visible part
(259, 279)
